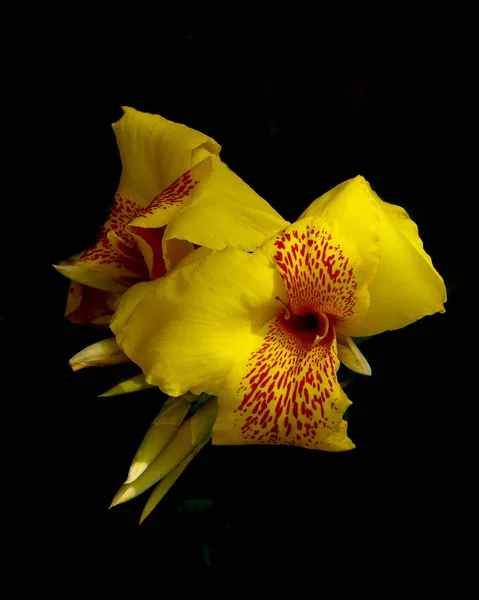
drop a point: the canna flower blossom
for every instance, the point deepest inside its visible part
(174, 194)
(264, 332)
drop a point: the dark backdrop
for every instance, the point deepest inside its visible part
(296, 112)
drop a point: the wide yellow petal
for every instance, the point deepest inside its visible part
(322, 271)
(128, 303)
(284, 390)
(352, 206)
(182, 444)
(283, 387)
(148, 227)
(405, 286)
(155, 152)
(223, 211)
(207, 206)
(161, 432)
(188, 327)
(101, 354)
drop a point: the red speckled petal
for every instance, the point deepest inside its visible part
(321, 270)
(224, 211)
(115, 252)
(288, 394)
(103, 257)
(148, 228)
(404, 285)
(122, 212)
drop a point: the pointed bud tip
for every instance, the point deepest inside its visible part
(136, 469)
(76, 366)
(124, 494)
(147, 510)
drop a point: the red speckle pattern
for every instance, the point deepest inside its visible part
(290, 392)
(317, 275)
(103, 253)
(174, 194)
(122, 212)
(125, 253)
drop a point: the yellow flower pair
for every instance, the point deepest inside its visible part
(242, 305)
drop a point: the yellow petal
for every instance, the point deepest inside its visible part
(115, 254)
(207, 206)
(135, 384)
(116, 282)
(175, 452)
(148, 228)
(209, 325)
(155, 152)
(351, 356)
(400, 218)
(194, 257)
(111, 265)
(353, 208)
(285, 391)
(187, 330)
(322, 271)
(101, 354)
(223, 211)
(162, 430)
(163, 487)
(283, 388)
(405, 287)
(128, 303)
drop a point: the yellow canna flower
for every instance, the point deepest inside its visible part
(265, 331)
(175, 193)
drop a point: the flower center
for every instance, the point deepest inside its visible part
(312, 325)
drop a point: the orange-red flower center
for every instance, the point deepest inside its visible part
(310, 325)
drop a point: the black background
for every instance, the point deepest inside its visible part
(297, 111)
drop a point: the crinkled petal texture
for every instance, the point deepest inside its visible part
(256, 330)
(404, 285)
